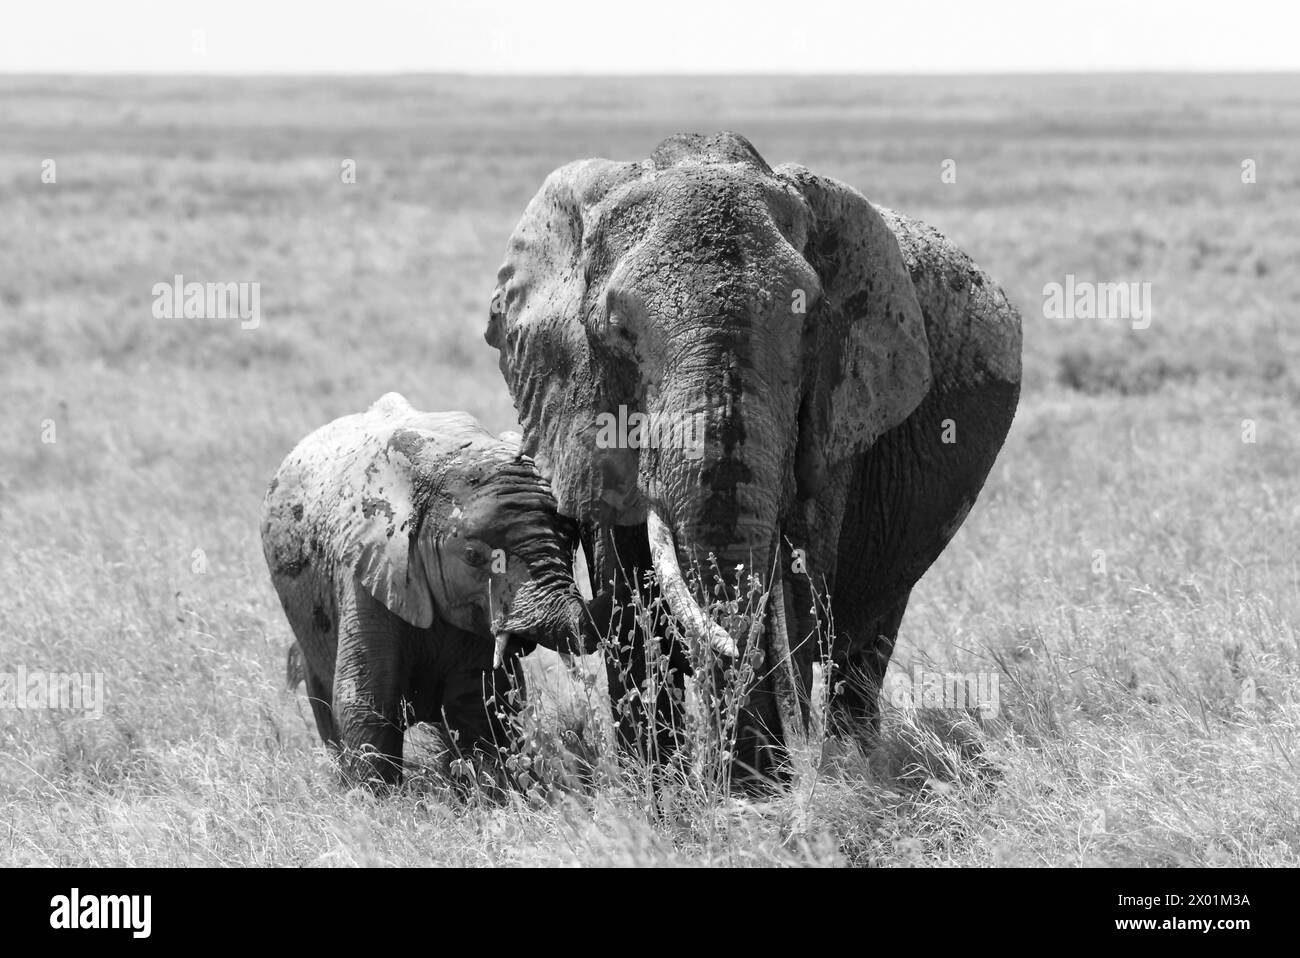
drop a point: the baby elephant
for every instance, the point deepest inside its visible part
(416, 555)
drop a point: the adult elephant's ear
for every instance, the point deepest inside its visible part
(872, 362)
(536, 321)
(380, 526)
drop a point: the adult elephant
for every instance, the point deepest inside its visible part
(856, 375)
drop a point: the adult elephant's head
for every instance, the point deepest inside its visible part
(702, 288)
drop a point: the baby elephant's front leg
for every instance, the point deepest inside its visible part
(480, 703)
(368, 683)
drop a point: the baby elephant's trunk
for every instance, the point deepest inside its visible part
(551, 612)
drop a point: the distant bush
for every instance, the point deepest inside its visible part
(1139, 372)
(1126, 374)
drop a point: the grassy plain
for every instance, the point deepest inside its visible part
(1130, 573)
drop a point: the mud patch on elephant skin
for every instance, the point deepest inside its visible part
(714, 240)
(293, 567)
(726, 399)
(824, 245)
(856, 305)
(725, 475)
(725, 512)
(409, 442)
(372, 506)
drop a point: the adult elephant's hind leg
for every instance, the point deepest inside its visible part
(368, 687)
(860, 663)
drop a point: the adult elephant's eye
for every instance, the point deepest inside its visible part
(475, 557)
(616, 316)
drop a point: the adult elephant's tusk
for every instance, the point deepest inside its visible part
(663, 553)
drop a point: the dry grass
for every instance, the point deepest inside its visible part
(1130, 572)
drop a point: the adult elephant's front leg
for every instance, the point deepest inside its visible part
(634, 676)
(861, 658)
(809, 533)
(368, 687)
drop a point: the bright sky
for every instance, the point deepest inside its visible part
(646, 36)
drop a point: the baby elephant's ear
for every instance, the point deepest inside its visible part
(381, 526)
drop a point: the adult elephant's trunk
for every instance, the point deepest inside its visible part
(717, 491)
(785, 683)
(736, 522)
(767, 631)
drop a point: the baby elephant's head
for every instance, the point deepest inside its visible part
(439, 520)
(501, 559)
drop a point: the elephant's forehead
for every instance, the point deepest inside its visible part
(391, 451)
(736, 193)
(732, 229)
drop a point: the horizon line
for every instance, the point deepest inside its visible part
(678, 75)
